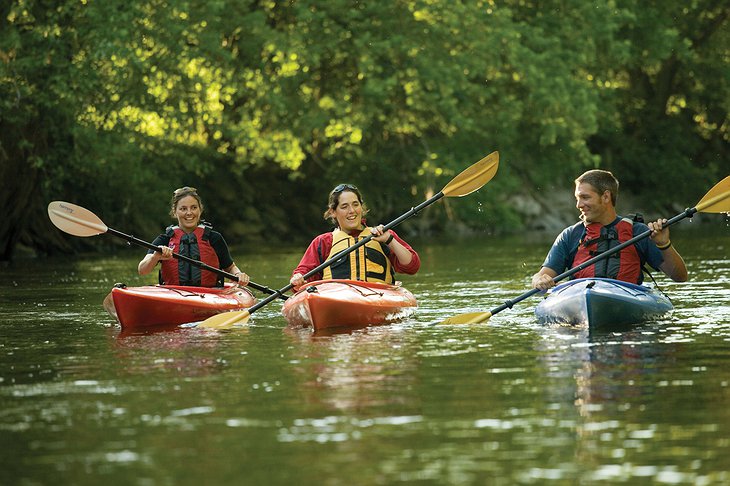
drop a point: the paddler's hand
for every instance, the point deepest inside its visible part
(165, 252)
(542, 281)
(243, 279)
(659, 233)
(297, 280)
(380, 235)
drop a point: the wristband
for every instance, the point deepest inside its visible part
(389, 240)
(664, 247)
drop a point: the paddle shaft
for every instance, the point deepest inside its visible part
(508, 304)
(197, 263)
(412, 212)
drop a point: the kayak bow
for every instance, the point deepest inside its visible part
(167, 305)
(601, 303)
(325, 304)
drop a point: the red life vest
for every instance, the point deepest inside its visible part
(624, 265)
(195, 245)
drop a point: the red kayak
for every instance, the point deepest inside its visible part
(160, 305)
(327, 304)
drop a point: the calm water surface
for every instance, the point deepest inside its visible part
(505, 402)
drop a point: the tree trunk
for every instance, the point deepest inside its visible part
(26, 219)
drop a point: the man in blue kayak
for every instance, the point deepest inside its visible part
(601, 229)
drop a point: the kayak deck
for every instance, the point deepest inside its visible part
(601, 303)
(326, 304)
(160, 305)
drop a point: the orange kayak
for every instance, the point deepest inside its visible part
(160, 305)
(326, 304)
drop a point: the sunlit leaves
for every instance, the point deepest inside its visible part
(397, 94)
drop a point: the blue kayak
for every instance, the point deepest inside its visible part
(601, 303)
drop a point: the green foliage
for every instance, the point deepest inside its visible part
(665, 114)
(264, 105)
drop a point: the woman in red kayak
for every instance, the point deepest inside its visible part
(194, 239)
(376, 261)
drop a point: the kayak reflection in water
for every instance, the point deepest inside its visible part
(194, 239)
(601, 229)
(376, 261)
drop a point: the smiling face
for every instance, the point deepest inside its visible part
(594, 207)
(348, 211)
(187, 212)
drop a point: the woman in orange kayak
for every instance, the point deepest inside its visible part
(194, 239)
(376, 261)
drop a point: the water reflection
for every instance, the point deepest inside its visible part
(357, 370)
(634, 391)
(179, 350)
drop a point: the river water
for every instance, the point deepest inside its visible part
(504, 402)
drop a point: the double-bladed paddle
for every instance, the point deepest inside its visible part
(717, 200)
(468, 181)
(79, 221)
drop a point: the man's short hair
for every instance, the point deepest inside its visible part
(602, 181)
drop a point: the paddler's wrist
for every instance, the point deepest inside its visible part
(665, 246)
(389, 240)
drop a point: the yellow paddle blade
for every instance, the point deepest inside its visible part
(717, 200)
(473, 177)
(75, 220)
(226, 320)
(470, 318)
